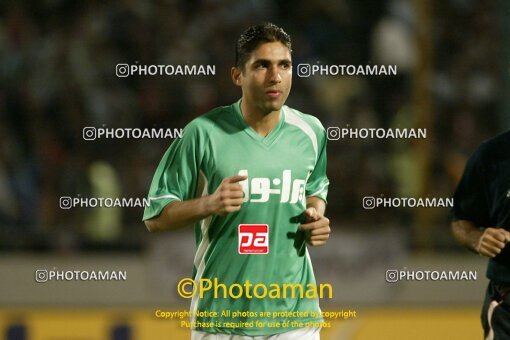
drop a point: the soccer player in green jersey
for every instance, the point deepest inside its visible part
(252, 178)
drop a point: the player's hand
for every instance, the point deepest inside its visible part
(228, 197)
(316, 228)
(492, 241)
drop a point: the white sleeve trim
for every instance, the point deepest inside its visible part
(319, 191)
(163, 197)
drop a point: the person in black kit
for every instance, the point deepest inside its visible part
(481, 223)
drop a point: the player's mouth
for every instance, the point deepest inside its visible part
(273, 93)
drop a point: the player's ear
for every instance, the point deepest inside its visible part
(235, 72)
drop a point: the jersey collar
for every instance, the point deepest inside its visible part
(267, 140)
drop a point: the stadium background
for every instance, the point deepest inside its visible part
(57, 73)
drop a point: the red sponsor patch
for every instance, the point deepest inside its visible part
(253, 239)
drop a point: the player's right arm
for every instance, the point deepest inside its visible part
(227, 198)
(487, 242)
(471, 209)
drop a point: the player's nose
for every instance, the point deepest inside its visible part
(274, 75)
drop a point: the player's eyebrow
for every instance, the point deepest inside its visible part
(266, 62)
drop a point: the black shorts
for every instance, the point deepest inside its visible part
(496, 312)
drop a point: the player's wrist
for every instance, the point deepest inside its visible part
(476, 241)
(207, 206)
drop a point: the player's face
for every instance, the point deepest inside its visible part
(267, 77)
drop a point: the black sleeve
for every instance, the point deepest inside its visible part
(470, 199)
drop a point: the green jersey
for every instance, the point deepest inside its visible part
(260, 244)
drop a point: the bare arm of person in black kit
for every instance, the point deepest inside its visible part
(486, 242)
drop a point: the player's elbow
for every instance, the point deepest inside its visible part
(454, 227)
(157, 224)
(461, 229)
(151, 225)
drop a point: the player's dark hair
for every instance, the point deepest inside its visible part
(256, 35)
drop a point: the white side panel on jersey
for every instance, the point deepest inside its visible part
(309, 261)
(293, 118)
(199, 261)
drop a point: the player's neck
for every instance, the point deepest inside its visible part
(262, 123)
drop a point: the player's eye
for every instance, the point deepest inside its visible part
(260, 65)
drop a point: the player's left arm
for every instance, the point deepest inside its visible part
(316, 225)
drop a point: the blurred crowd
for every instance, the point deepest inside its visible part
(57, 76)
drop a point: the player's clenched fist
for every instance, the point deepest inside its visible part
(316, 228)
(228, 197)
(492, 241)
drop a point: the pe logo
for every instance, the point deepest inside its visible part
(253, 239)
